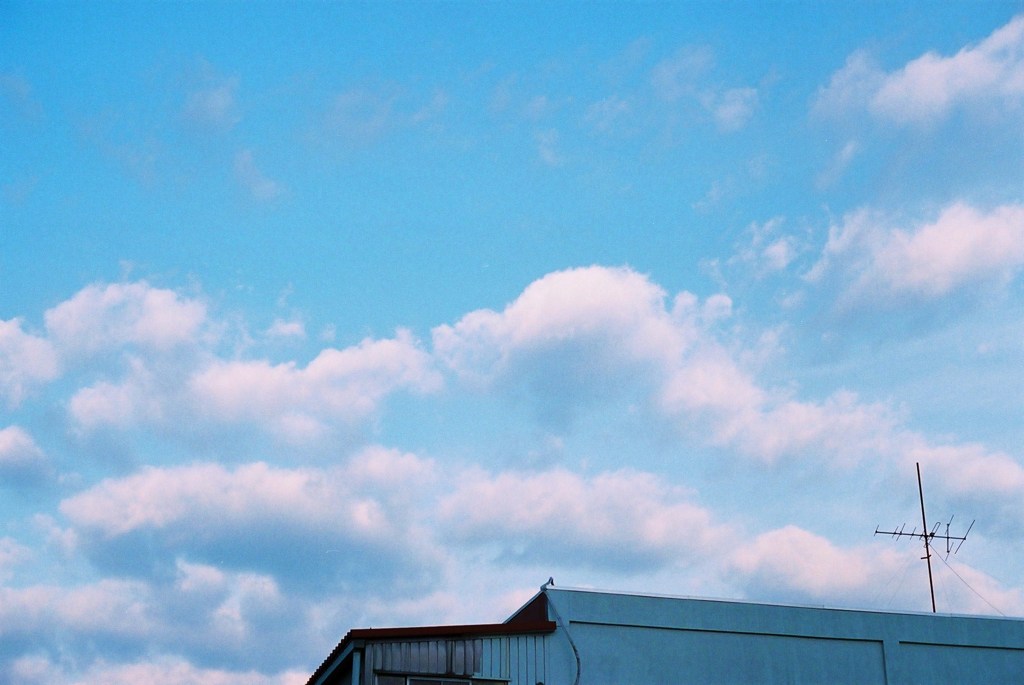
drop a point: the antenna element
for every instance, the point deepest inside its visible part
(927, 536)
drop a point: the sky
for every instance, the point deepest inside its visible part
(319, 316)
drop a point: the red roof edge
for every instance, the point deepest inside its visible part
(471, 630)
(518, 627)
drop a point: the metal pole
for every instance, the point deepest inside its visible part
(927, 548)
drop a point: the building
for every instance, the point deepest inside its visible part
(585, 637)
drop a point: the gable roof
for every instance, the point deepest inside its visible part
(531, 618)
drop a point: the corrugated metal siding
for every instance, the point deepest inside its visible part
(518, 659)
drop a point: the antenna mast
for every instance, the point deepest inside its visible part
(927, 536)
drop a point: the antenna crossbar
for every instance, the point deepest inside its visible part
(928, 536)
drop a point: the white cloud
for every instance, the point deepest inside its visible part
(733, 108)
(710, 380)
(977, 592)
(252, 180)
(358, 518)
(677, 76)
(239, 617)
(201, 394)
(108, 608)
(99, 318)
(769, 250)
(360, 116)
(971, 469)
(615, 316)
(209, 497)
(842, 427)
(963, 245)
(547, 147)
(238, 545)
(930, 87)
(620, 519)
(139, 398)
(12, 553)
(21, 459)
(213, 106)
(345, 385)
(681, 78)
(286, 329)
(25, 362)
(851, 87)
(606, 116)
(165, 670)
(794, 562)
(594, 334)
(837, 167)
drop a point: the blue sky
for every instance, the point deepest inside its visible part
(335, 315)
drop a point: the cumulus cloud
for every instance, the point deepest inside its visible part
(104, 317)
(212, 615)
(133, 619)
(602, 334)
(346, 384)
(615, 315)
(971, 469)
(138, 399)
(338, 388)
(257, 516)
(212, 557)
(569, 340)
(623, 519)
(21, 460)
(793, 562)
(166, 670)
(26, 361)
(240, 621)
(577, 335)
(107, 609)
(929, 87)
(842, 427)
(12, 553)
(874, 258)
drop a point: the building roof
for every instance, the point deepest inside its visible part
(532, 618)
(618, 625)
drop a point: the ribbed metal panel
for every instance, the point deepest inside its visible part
(518, 659)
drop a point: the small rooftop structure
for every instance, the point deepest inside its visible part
(585, 637)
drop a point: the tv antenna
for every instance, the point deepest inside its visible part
(928, 536)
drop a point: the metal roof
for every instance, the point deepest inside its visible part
(522, 623)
